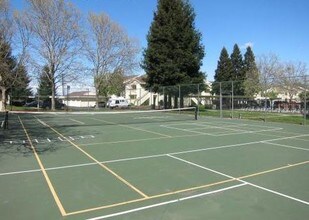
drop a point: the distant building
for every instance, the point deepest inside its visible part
(135, 91)
(80, 99)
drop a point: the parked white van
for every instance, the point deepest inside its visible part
(117, 102)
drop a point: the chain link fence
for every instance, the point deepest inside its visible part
(276, 102)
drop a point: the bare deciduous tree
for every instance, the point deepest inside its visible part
(55, 41)
(110, 51)
(5, 20)
(291, 78)
(269, 68)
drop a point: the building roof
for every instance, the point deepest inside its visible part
(130, 79)
(81, 93)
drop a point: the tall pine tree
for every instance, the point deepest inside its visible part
(45, 84)
(238, 74)
(21, 89)
(174, 52)
(251, 84)
(223, 73)
(8, 73)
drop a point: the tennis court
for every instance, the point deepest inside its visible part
(152, 165)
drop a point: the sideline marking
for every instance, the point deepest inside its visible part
(79, 122)
(135, 128)
(152, 156)
(219, 134)
(151, 197)
(167, 202)
(275, 169)
(51, 188)
(231, 179)
(98, 162)
(255, 174)
(287, 146)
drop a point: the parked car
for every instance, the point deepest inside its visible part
(34, 104)
(118, 102)
(100, 105)
(47, 104)
(18, 102)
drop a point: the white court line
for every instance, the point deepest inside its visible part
(186, 130)
(156, 155)
(51, 168)
(236, 124)
(20, 172)
(245, 132)
(283, 145)
(167, 202)
(79, 122)
(238, 131)
(240, 180)
(131, 127)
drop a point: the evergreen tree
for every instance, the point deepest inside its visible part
(21, 89)
(238, 74)
(45, 84)
(7, 70)
(223, 73)
(174, 53)
(251, 84)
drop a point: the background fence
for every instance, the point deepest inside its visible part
(280, 100)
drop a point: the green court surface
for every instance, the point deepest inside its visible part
(152, 166)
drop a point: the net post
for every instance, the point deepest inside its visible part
(195, 113)
(6, 120)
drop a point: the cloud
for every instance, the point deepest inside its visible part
(248, 44)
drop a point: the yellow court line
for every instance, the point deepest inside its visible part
(151, 197)
(50, 185)
(272, 170)
(95, 160)
(139, 129)
(185, 190)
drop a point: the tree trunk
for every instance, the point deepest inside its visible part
(165, 101)
(53, 101)
(3, 99)
(176, 101)
(97, 98)
(154, 98)
(181, 101)
(169, 105)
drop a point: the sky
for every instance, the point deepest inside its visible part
(280, 27)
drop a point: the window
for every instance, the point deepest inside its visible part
(133, 86)
(132, 96)
(117, 102)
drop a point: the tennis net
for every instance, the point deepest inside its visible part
(120, 116)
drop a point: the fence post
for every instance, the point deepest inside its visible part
(38, 100)
(232, 99)
(198, 98)
(88, 99)
(221, 115)
(164, 98)
(68, 92)
(179, 93)
(305, 102)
